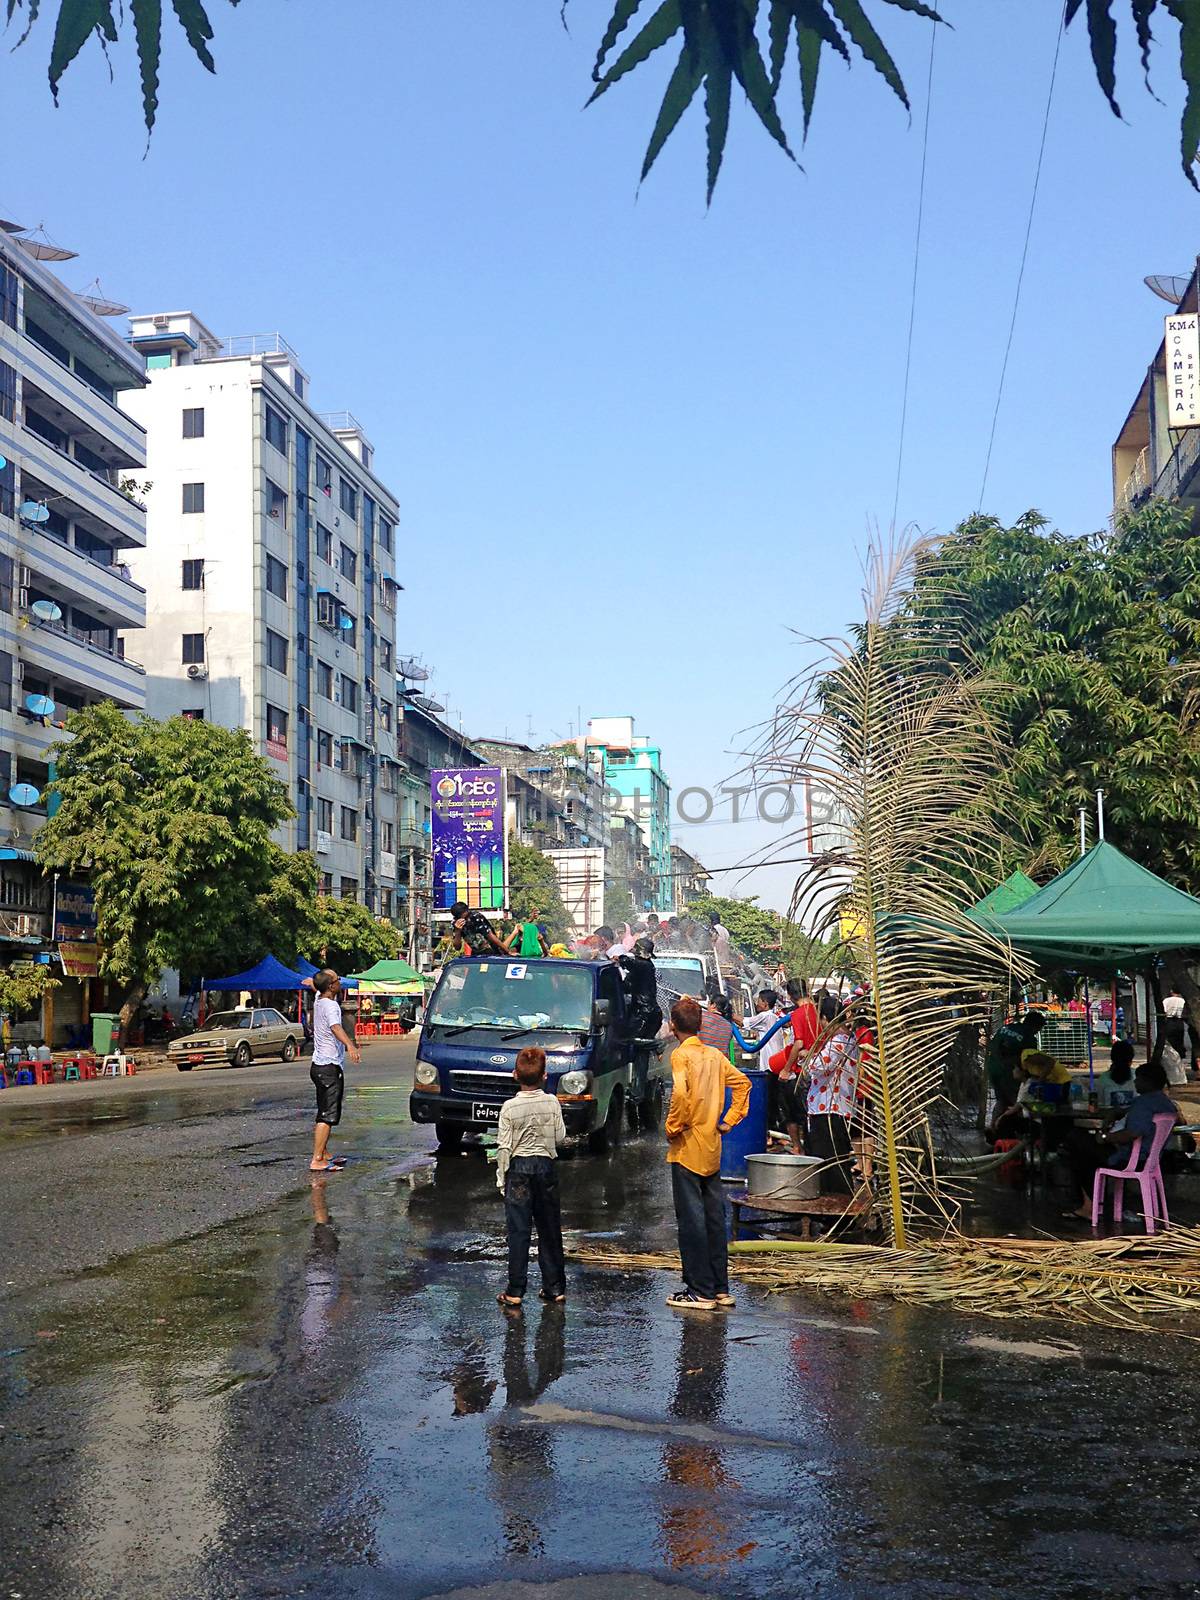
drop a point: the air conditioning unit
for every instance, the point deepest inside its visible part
(196, 672)
(162, 322)
(28, 927)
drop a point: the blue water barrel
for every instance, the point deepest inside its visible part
(749, 1138)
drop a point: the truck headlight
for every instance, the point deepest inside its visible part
(573, 1083)
(426, 1073)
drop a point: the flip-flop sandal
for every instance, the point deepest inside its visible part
(509, 1302)
(552, 1299)
(334, 1166)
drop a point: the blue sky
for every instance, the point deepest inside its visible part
(639, 446)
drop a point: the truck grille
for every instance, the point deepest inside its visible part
(494, 1085)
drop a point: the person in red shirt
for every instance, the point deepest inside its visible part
(806, 1028)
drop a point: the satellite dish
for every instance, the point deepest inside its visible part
(24, 794)
(34, 511)
(414, 670)
(425, 703)
(3, 462)
(345, 623)
(1167, 287)
(40, 705)
(44, 249)
(46, 611)
(11, 227)
(99, 302)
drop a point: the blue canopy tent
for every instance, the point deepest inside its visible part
(270, 973)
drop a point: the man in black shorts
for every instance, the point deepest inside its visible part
(331, 1043)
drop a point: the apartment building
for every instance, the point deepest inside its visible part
(638, 789)
(71, 521)
(1157, 451)
(270, 575)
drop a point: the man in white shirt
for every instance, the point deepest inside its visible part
(531, 1129)
(331, 1043)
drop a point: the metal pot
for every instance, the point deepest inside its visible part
(783, 1176)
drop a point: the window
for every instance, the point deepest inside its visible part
(193, 422)
(324, 751)
(348, 630)
(385, 715)
(324, 680)
(387, 837)
(194, 715)
(325, 883)
(324, 815)
(349, 564)
(277, 430)
(6, 680)
(94, 381)
(277, 577)
(46, 341)
(153, 363)
(277, 651)
(349, 693)
(8, 392)
(324, 476)
(324, 544)
(327, 609)
(386, 655)
(348, 497)
(193, 497)
(193, 649)
(277, 727)
(350, 824)
(385, 903)
(349, 889)
(276, 504)
(385, 534)
(193, 575)
(8, 295)
(8, 481)
(298, 383)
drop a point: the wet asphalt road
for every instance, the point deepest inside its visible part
(217, 1380)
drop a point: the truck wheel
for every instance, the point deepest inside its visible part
(651, 1109)
(449, 1136)
(609, 1134)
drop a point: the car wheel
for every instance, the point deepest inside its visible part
(289, 1050)
(449, 1136)
(241, 1056)
(183, 1066)
(606, 1136)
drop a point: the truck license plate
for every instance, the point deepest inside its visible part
(484, 1111)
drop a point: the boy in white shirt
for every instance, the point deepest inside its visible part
(531, 1129)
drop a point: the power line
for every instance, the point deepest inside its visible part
(912, 305)
(1012, 325)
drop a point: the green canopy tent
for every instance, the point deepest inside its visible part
(1103, 913)
(390, 977)
(1007, 896)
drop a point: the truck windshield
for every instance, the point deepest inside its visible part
(513, 994)
(679, 977)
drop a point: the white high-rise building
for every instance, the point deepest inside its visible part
(270, 576)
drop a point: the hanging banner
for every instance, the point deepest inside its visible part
(469, 844)
(80, 960)
(1183, 370)
(74, 913)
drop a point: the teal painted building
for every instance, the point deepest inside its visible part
(638, 788)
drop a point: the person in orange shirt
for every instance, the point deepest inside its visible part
(700, 1076)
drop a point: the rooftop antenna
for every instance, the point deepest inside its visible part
(1166, 286)
(1083, 830)
(1100, 813)
(95, 298)
(44, 248)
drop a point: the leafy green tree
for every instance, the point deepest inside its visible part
(171, 821)
(618, 905)
(533, 886)
(283, 919)
(750, 43)
(22, 987)
(345, 936)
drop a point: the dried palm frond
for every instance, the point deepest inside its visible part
(1147, 1283)
(899, 744)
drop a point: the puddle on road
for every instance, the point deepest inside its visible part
(701, 1432)
(1035, 1349)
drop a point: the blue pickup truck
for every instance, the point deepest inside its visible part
(485, 1009)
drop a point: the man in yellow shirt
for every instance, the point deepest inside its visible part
(700, 1076)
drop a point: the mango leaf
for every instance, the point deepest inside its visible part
(1102, 32)
(717, 84)
(779, 28)
(858, 25)
(622, 16)
(808, 44)
(197, 27)
(77, 21)
(685, 80)
(663, 25)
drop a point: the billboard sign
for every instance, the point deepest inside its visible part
(1183, 369)
(469, 843)
(74, 913)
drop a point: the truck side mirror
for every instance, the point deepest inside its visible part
(601, 1015)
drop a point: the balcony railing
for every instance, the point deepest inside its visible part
(1180, 467)
(63, 631)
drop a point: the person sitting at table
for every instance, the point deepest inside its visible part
(1086, 1152)
(1115, 1089)
(1005, 1049)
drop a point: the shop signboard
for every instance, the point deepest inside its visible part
(469, 844)
(80, 960)
(74, 913)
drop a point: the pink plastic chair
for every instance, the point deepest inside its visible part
(1149, 1178)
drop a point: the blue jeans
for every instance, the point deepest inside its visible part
(531, 1196)
(700, 1215)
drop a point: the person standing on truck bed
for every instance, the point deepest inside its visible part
(474, 933)
(529, 938)
(700, 1076)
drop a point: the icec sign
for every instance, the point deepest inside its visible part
(469, 840)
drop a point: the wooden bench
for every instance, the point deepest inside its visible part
(860, 1209)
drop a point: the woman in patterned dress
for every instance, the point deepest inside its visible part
(832, 1081)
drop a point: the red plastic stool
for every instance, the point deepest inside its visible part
(43, 1072)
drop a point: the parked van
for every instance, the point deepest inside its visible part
(485, 1009)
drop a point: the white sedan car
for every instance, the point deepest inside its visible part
(235, 1038)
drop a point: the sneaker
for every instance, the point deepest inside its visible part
(725, 1302)
(687, 1300)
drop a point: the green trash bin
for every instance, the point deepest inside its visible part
(104, 1025)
